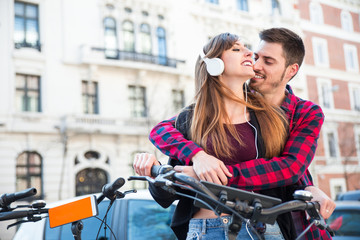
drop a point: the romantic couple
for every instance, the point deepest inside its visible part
(256, 136)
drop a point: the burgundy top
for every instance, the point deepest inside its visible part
(245, 152)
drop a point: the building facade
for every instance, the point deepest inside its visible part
(331, 68)
(83, 82)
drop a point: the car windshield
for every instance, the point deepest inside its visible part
(147, 220)
(345, 222)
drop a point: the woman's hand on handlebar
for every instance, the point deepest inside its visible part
(187, 170)
(143, 162)
(327, 205)
(210, 169)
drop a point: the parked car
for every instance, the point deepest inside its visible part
(137, 216)
(349, 196)
(345, 220)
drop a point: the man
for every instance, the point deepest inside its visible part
(278, 59)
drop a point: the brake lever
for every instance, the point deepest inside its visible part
(17, 223)
(30, 219)
(119, 194)
(319, 220)
(142, 178)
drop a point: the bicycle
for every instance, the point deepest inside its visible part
(37, 211)
(242, 205)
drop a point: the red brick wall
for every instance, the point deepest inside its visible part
(331, 15)
(341, 96)
(312, 89)
(335, 50)
(346, 140)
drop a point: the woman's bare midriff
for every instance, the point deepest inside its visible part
(205, 213)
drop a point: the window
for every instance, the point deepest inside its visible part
(128, 35)
(355, 98)
(29, 172)
(90, 180)
(337, 185)
(242, 5)
(332, 144)
(161, 36)
(137, 101)
(90, 97)
(28, 93)
(326, 93)
(346, 21)
(275, 6)
(145, 39)
(26, 32)
(320, 50)
(357, 142)
(178, 99)
(344, 222)
(351, 58)
(213, 1)
(128, 10)
(357, 136)
(110, 38)
(316, 14)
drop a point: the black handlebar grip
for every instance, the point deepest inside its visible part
(156, 170)
(8, 198)
(317, 205)
(109, 189)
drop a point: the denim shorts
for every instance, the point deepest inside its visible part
(217, 228)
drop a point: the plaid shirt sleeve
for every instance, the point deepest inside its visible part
(172, 143)
(257, 174)
(298, 153)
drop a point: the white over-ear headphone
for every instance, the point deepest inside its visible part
(214, 66)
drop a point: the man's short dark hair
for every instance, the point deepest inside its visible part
(292, 44)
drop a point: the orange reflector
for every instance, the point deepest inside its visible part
(73, 211)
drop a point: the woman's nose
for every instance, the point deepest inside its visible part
(248, 53)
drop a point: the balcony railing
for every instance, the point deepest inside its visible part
(24, 44)
(138, 57)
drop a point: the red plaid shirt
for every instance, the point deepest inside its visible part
(305, 121)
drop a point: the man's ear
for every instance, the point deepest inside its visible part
(292, 70)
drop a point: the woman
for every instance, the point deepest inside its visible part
(227, 122)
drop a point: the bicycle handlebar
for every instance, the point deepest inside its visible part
(110, 189)
(165, 176)
(8, 198)
(21, 214)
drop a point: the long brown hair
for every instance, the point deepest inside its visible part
(210, 115)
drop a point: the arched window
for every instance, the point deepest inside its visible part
(29, 172)
(316, 14)
(90, 180)
(161, 36)
(128, 35)
(346, 21)
(145, 39)
(110, 38)
(275, 6)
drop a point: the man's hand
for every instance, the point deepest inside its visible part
(210, 169)
(327, 205)
(143, 162)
